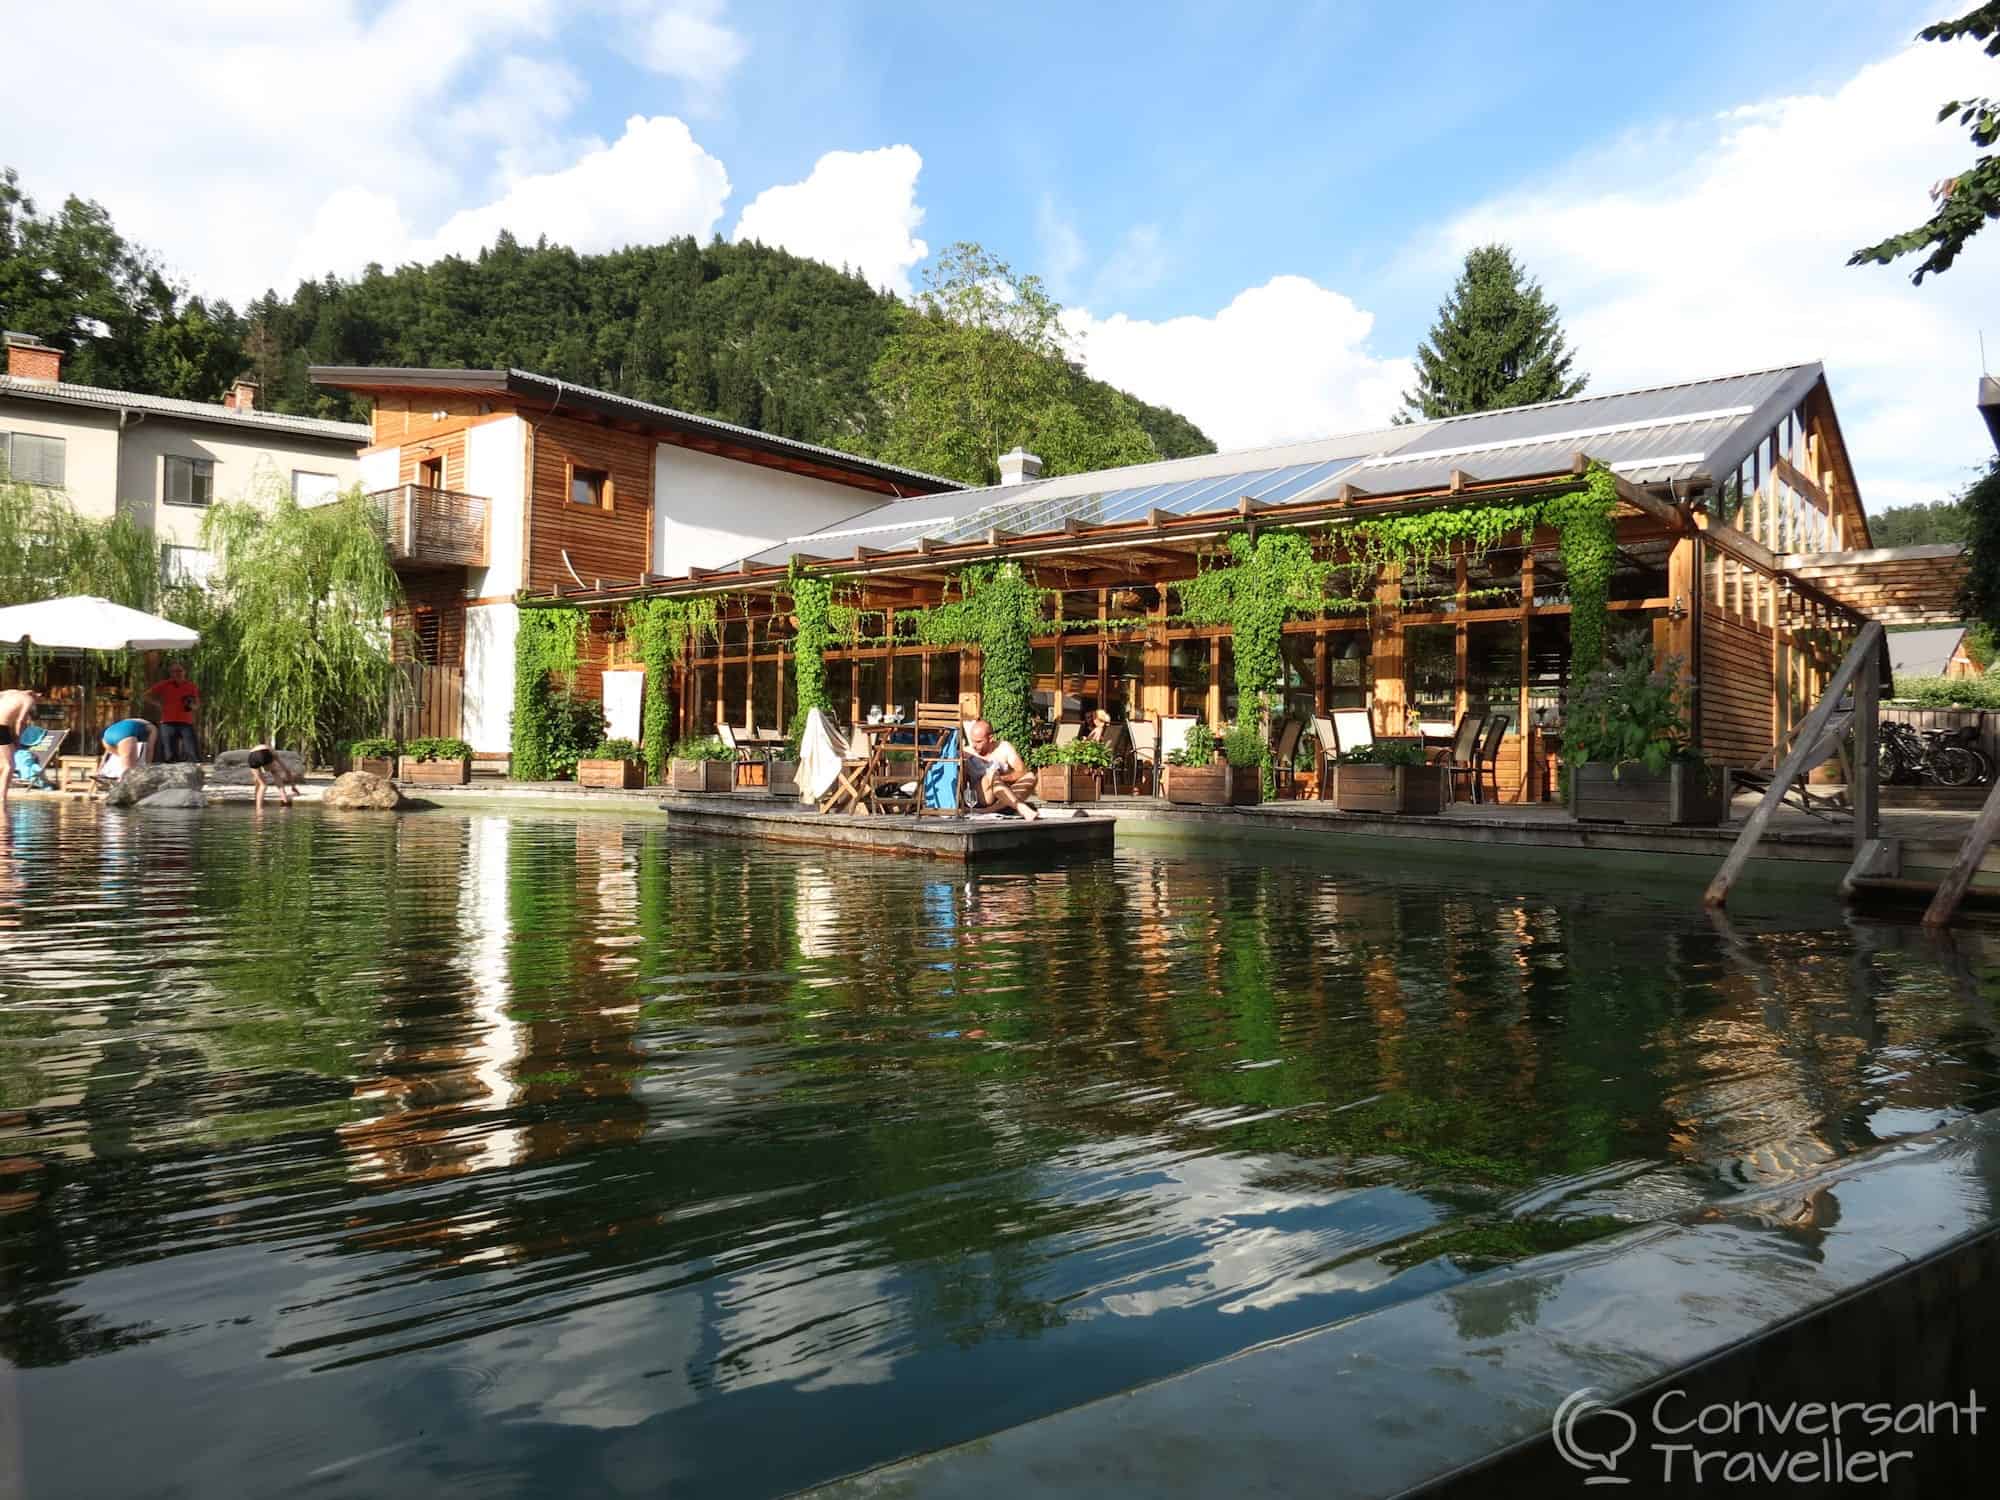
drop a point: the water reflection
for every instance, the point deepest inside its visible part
(591, 1129)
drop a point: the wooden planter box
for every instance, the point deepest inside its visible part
(1684, 794)
(1389, 789)
(1066, 783)
(704, 776)
(615, 775)
(433, 772)
(1217, 785)
(783, 779)
(375, 765)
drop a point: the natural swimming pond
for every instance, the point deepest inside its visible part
(513, 1153)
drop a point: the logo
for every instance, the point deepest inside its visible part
(1578, 1407)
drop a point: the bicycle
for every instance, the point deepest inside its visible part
(1906, 755)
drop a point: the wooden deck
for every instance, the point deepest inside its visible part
(962, 840)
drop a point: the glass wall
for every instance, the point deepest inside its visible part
(1430, 671)
(1493, 669)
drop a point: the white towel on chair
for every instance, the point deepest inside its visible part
(820, 754)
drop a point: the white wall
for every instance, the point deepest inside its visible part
(90, 449)
(489, 674)
(709, 512)
(496, 466)
(381, 470)
(250, 463)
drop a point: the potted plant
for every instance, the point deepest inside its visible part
(435, 762)
(1626, 747)
(615, 764)
(1070, 773)
(781, 774)
(1197, 776)
(377, 756)
(705, 765)
(1388, 778)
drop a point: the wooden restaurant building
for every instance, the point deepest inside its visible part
(1741, 547)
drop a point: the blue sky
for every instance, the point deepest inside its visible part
(1252, 210)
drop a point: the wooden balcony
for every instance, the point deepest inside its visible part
(427, 528)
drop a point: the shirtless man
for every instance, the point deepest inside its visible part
(268, 768)
(17, 708)
(997, 774)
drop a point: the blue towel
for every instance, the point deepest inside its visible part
(941, 777)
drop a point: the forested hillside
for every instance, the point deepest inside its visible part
(737, 331)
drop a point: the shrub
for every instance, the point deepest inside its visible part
(1198, 751)
(1093, 754)
(438, 749)
(705, 749)
(1243, 747)
(615, 750)
(574, 726)
(380, 747)
(1949, 692)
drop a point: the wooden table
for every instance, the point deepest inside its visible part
(852, 793)
(74, 772)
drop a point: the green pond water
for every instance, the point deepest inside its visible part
(519, 1154)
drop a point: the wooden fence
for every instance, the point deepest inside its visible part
(426, 702)
(1921, 719)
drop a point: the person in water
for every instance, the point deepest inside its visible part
(17, 708)
(128, 744)
(268, 768)
(995, 771)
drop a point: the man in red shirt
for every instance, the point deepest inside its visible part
(179, 700)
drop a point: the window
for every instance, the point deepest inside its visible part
(309, 488)
(190, 481)
(590, 487)
(183, 565)
(1493, 669)
(429, 641)
(31, 459)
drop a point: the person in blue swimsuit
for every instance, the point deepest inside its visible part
(128, 743)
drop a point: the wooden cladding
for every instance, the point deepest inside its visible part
(404, 420)
(613, 542)
(1737, 689)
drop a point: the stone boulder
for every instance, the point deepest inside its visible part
(363, 791)
(232, 767)
(142, 782)
(175, 796)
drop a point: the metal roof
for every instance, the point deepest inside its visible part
(512, 382)
(1924, 653)
(1293, 473)
(1652, 436)
(68, 393)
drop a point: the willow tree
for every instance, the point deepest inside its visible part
(48, 550)
(295, 635)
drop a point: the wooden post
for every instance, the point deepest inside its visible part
(1866, 644)
(1944, 905)
(1385, 628)
(1866, 779)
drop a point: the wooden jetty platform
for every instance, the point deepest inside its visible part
(964, 840)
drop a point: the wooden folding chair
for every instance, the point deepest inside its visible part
(1489, 758)
(1328, 744)
(1144, 736)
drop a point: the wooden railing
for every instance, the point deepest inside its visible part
(434, 528)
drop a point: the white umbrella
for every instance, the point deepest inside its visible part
(81, 623)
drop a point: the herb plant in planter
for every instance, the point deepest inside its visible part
(436, 762)
(613, 764)
(1070, 773)
(1388, 778)
(376, 756)
(1626, 746)
(1196, 776)
(704, 765)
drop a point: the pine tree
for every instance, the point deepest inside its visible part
(1497, 342)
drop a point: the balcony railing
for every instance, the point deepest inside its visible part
(434, 528)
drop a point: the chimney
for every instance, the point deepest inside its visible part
(242, 396)
(28, 358)
(1019, 465)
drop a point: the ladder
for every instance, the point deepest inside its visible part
(1877, 861)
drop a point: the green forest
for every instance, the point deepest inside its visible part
(738, 331)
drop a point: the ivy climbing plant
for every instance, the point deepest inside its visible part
(1264, 583)
(812, 604)
(545, 647)
(998, 609)
(659, 631)
(1589, 534)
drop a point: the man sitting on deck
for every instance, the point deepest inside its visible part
(995, 772)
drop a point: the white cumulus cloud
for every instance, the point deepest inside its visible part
(1286, 360)
(855, 208)
(1722, 244)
